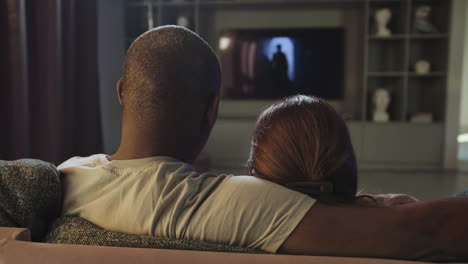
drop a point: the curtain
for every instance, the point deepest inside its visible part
(49, 91)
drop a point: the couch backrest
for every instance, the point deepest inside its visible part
(30, 195)
(76, 230)
(18, 252)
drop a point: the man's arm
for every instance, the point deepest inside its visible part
(431, 231)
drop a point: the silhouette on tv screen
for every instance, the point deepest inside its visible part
(274, 63)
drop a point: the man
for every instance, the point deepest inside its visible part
(169, 93)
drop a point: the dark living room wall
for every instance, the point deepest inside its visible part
(111, 52)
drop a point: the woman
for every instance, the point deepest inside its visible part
(303, 144)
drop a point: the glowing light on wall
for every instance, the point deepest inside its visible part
(287, 47)
(462, 138)
(224, 43)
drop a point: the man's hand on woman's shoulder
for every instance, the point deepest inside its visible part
(387, 199)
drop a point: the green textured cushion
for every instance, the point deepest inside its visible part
(75, 230)
(30, 195)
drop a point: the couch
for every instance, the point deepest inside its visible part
(32, 232)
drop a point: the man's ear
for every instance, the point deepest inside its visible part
(211, 113)
(119, 91)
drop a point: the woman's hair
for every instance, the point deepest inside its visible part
(303, 139)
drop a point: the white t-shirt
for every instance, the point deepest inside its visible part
(162, 196)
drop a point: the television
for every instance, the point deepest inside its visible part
(275, 63)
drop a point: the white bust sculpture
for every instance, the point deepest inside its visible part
(382, 17)
(381, 100)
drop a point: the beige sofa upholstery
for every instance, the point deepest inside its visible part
(15, 247)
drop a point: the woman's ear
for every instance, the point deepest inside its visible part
(119, 91)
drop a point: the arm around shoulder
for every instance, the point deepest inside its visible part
(431, 231)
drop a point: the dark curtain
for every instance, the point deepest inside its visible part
(49, 89)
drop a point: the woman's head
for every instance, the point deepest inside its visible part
(303, 139)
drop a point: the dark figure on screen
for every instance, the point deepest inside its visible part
(282, 85)
(280, 63)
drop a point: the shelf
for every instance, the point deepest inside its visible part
(409, 74)
(386, 74)
(402, 123)
(156, 3)
(391, 37)
(431, 74)
(239, 2)
(385, 1)
(428, 36)
(410, 36)
(269, 2)
(177, 4)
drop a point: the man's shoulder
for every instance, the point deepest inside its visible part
(77, 161)
(241, 187)
(248, 181)
(252, 182)
(250, 212)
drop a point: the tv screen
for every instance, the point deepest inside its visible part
(274, 63)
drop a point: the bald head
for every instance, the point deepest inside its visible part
(167, 71)
(169, 93)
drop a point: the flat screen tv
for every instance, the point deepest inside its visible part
(275, 63)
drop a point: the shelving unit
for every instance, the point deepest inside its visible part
(389, 61)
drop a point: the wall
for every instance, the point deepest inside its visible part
(111, 51)
(463, 125)
(454, 83)
(464, 91)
